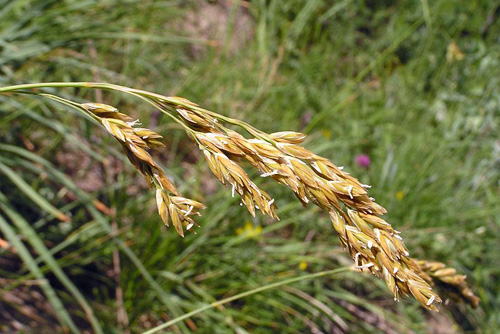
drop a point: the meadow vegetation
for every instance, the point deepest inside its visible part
(412, 85)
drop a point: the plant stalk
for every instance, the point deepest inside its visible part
(245, 294)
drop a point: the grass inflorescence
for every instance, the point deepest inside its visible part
(372, 242)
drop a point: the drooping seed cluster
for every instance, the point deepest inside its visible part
(372, 242)
(451, 283)
(227, 171)
(136, 142)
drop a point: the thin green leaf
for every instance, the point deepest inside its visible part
(32, 194)
(40, 247)
(245, 294)
(59, 309)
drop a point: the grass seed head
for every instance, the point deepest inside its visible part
(451, 284)
(372, 242)
(136, 143)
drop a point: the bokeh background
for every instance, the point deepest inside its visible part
(405, 94)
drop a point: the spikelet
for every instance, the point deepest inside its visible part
(288, 137)
(178, 210)
(449, 281)
(228, 172)
(136, 142)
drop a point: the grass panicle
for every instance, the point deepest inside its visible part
(372, 242)
(136, 143)
(374, 245)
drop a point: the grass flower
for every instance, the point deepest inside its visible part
(400, 195)
(374, 245)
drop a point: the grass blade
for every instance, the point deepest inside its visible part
(165, 298)
(59, 309)
(246, 294)
(40, 247)
(32, 194)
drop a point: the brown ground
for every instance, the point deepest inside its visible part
(219, 21)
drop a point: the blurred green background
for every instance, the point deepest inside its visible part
(412, 84)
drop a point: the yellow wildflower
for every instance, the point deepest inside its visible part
(400, 195)
(303, 265)
(249, 231)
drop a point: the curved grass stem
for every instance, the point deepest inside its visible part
(145, 95)
(245, 294)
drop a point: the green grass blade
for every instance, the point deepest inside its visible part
(165, 298)
(31, 193)
(59, 309)
(146, 38)
(40, 247)
(89, 230)
(246, 294)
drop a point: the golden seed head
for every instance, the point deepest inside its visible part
(296, 151)
(106, 111)
(136, 142)
(371, 241)
(228, 172)
(197, 120)
(99, 107)
(178, 210)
